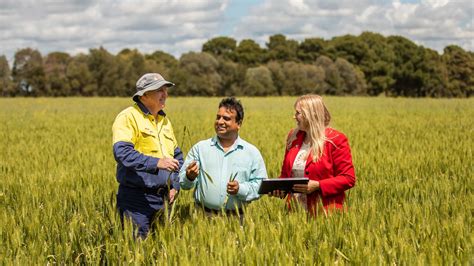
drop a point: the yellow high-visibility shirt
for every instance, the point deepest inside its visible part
(139, 141)
(150, 137)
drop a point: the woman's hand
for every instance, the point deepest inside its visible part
(277, 193)
(306, 188)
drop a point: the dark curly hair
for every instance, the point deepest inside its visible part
(232, 103)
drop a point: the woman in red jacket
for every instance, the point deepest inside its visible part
(320, 153)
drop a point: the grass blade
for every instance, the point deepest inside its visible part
(208, 176)
(232, 178)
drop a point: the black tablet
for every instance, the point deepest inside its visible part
(285, 184)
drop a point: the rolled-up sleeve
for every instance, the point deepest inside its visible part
(178, 155)
(248, 190)
(185, 183)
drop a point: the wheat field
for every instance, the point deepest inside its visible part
(412, 203)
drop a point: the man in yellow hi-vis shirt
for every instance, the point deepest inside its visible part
(147, 154)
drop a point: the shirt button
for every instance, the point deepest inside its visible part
(307, 172)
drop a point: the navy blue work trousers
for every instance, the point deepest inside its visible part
(141, 206)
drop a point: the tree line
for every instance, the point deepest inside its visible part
(368, 64)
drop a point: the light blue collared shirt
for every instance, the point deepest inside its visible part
(242, 158)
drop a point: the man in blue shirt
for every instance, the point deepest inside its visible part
(225, 171)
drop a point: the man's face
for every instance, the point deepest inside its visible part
(226, 125)
(157, 98)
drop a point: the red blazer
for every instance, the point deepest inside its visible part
(334, 170)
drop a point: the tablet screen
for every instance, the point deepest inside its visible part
(285, 184)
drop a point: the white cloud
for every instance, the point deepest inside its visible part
(77, 25)
(435, 3)
(431, 23)
(178, 26)
(299, 4)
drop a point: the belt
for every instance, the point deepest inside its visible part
(160, 191)
(213, 211)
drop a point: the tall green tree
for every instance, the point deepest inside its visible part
(258, 82)
(332, 77)
(281, 49)
(134, 66)
(434, 75)
(107, 72)
(278, 76)
(232, 77)
(407, 73)
(6, 84)
(460, 66)
(249, 53)
(349, 47)
(220, 46)
(28, 73)
(160, 62)
(378, 64)
(197, 75)
(55, 66)
(352, 78)
(310, 49)
(302, 79)
(80, 78)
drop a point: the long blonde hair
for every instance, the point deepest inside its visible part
(318, 117)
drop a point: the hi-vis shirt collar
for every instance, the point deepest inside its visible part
(146, 111)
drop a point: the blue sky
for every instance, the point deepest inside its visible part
(235, 11)
(180, 26)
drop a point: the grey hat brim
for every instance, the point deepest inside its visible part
(153, 87)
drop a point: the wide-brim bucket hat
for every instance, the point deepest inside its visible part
(150, 82)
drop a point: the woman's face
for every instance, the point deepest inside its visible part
(301, 122)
